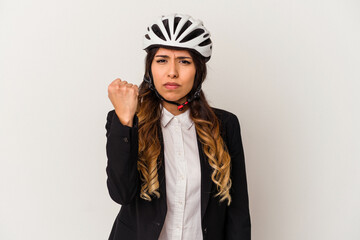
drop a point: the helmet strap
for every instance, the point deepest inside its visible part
(179, 106)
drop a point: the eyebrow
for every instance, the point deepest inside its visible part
(166, 56)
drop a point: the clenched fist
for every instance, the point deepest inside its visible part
(124, 98)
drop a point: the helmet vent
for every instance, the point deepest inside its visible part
(147, 36)
(206, 35)
(176, 22)
(186, 25)
(166, 25)
(192, 35)
(206, 42)
(157, 31)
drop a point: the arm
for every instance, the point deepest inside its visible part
(238, 225)
(122, 154)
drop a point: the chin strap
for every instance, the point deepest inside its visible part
(179, 106)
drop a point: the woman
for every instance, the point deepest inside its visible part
(175, 164)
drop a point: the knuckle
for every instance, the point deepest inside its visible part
(111, 88)
(115, 81)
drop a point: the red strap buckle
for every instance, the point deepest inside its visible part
(181, 107)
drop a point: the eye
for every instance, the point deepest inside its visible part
(161, 61)
(185, 62)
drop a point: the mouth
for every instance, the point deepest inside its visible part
(171, 85)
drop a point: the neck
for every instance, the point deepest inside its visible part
(173, 109)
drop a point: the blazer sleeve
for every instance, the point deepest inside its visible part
(238, 224)
(122, 154)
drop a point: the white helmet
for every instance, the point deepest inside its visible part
(179, 30)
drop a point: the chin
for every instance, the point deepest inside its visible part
(171, 97)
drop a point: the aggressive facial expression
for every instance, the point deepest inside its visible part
(173, 73)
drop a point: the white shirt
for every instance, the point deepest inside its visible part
(182, 176)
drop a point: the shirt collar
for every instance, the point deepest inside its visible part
(184, 118)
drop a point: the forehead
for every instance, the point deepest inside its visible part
(173, 52)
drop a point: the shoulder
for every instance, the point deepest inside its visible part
(224, 116)
(228, 121)
(229, 130)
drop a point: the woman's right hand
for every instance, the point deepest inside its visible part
(124, 98)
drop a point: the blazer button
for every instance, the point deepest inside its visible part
(126, 139)
(205, 230)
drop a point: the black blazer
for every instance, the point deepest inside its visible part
(139, 219)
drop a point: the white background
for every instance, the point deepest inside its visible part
(288, 69)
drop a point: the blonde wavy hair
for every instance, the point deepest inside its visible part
(207, 127)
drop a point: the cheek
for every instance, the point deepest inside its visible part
(191, 78)
(156, 82)
(191, 84)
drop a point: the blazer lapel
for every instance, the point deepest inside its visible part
(206, 181)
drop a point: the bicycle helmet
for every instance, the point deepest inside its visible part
(178, 31)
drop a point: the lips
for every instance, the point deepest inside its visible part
(171, 85)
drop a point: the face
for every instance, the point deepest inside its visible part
(173, 73)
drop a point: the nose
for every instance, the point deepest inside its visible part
(173, 71)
